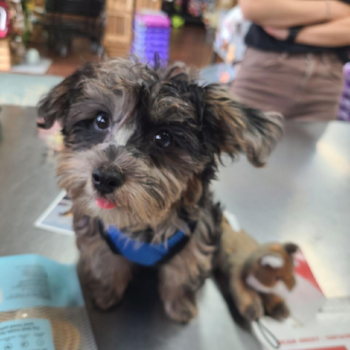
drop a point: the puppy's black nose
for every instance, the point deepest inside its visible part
(106, 180)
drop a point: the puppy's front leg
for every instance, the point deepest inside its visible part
(180, 278)
(106, 274)
(177, 294)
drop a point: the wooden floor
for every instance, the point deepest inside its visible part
(188, 44)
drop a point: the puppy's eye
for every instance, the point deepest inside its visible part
(102, 121)
(163, 139)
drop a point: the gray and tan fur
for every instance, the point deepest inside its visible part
(163, 185)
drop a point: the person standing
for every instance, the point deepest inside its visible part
(295, 54)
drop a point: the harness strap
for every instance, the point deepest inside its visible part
(142, 253)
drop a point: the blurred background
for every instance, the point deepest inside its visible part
(42, 42)
(51, 39)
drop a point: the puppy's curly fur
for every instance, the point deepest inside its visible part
(165, 187)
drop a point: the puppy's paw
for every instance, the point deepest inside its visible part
(105, 297)
(105, 303)
(182, 310)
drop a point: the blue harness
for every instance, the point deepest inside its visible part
(146, 254)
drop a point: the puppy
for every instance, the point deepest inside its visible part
(141, 148)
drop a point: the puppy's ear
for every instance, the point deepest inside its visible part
(237, 128)
(55, 105)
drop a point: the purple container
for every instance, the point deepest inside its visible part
(151, 49)
(344, 111)
(156, 44)
(151, 36)
(154, 30)
(344, 114)
(345, 103)
(152, 19)
(147, 36)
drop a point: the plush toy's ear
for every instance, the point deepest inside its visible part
(55, 105)
(236, 128)
(275, 261)
(290, 248)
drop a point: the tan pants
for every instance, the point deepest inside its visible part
(300, 86)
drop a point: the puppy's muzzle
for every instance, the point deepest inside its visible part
(106, 180)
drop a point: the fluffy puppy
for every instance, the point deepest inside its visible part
(141, 148)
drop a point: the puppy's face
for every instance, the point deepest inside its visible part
(141, 143)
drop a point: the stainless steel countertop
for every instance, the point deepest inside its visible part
(302, 195)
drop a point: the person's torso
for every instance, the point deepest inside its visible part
(259, 39)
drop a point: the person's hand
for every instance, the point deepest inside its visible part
(277, 33)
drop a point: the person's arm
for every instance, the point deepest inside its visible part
(331, 34)
(291, 13)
